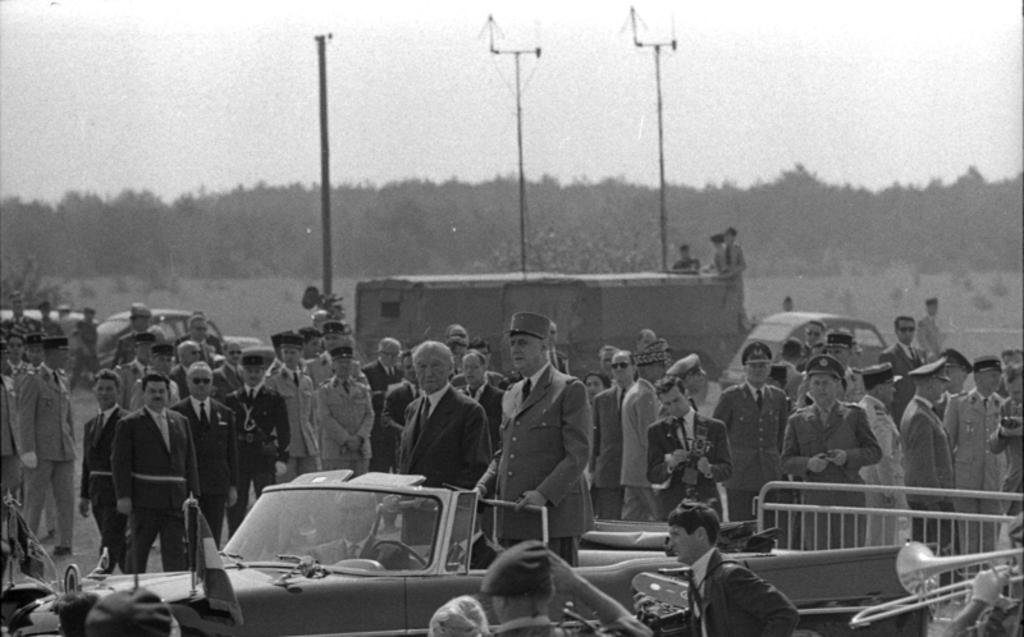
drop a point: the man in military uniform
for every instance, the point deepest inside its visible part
(297, 390)
(545, 445)
(161, 361)
(48, 443)
(879, 383)
(639, 411)
(903, 357)
(97, 486)
(345, 414)
(755, 415)
(154, 466)
(814, 339)
(829, 441)
(19, 323)
(132, 371)
(10, 465)
(138, 323)
(261, 418)
(957, 370)
(216, 441)
(839, 345)
(228, 377)
(321, 368)
(382, 373)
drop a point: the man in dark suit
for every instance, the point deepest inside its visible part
(446, 439)
(755, 415)
(228, 377)
(400, 394)
(606, 458)
(213, 432)
(97, 488)
(903, 357)
(725, 597)
(261, 423)
(188, 353)
(545, 445)
(154, 466)
(474, 370)
(687, 454)
(381, 374)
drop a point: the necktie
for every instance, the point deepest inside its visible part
(99, 429)
(252, 395)
(622, 396)
(295, 377)
(56, 378)
(164, 433)
(526, 388)
(204, 420)
(760, 399)
(344, 384)
(421, 420)
(694, 601)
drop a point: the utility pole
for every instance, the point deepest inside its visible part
(661, 133)
(519, 137)
(325, 165)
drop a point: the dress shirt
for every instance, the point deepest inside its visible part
(435, 398)
(161, 422)
(196, 404)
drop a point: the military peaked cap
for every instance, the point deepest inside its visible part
(529, 323)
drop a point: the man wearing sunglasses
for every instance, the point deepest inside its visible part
(213, 433)
(903, 357)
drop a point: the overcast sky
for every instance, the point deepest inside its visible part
(174, 96)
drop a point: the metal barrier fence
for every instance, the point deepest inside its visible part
(807, 521)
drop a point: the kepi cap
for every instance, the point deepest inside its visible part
(290, 339)
(162, 349)
(839, 338)
(55, 342)
(253, 359)
(529, 323)
(934, 369)
(953, 357)
(145, 337)
(335, 327)
(878, 374)
(341, 352)
(756, 352)
(987, 363)
(684, 366)
(139, 613)
(523, 569)
(825, 364)
(654, 354)
(139, 310)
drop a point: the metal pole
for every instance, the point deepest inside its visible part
(325, 166)
(661, 164)
(522, 177)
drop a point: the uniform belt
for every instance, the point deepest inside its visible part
(101, 473)
(151, 478)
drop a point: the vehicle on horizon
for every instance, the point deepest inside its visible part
(775, 329)
(172, 324)
(378, 554)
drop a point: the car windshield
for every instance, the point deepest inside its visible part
(343, 528)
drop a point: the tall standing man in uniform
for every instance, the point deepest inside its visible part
(321, 368)
(958, 368)
(297, 390)
(138, 322)
(639, 411)
(154, 465)
(903, 357)
(545, 445)
(345, 414)
(97, 490)
(48, 441)
(839, 345)
(879, 382)
(212, 424)
(261, 420)
(755, 415)
(10, 465)
(382, 373)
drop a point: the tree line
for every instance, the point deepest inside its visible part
(795, 224)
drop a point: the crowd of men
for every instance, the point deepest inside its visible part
(630, 440)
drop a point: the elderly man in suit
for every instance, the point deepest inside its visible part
(829, 441)
(970, 421)
(97, 487)
(755, 415)
(292, 383)
(606, 459)
(545, 445)
(446, 437)
(687, 454)
(477, 387)
(212, 424)
(154, 465)
(903, 357)
(382, 373)
(927, 455)
(47, 440)
(345, 414)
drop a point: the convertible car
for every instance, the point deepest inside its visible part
(327, 554)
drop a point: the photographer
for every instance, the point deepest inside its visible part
(687, 454)
(1008, 436)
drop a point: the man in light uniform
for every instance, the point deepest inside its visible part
(879, 383)
(297, 390)
(345, 415)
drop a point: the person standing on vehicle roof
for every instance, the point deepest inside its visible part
(545, 445)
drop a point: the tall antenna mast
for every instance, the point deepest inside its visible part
(325, 165)
(491, 26)
(661, 131)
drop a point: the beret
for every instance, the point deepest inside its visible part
(523, 569)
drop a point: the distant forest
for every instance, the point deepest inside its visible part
(796, 224)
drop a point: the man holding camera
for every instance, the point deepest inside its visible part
(687, 454)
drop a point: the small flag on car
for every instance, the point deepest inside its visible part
(209, 568)
(29, 554)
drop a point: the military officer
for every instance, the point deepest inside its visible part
(297, 390)
(132, 372)
(957, 370)
(138, 322)
(336, 334)
(261, 418)
(755, 415)
(97, 486)
(829, 441)
(48, 442)
(161, 362)
(345, 415)
(154, 466)
(839, 345)
(879, 383)
(10, 465)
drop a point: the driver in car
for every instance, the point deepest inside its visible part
(358, 539)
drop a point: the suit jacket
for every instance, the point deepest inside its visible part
(146, 470)
(755, 434)
(180, 377)
(264, 419)
(927, 456)
(606, 459)
(345, 419)
(97, 446)
(397, 398)
(44, 415)
(969, 423)
(490, 398)
(216, 446)
(545, 445)
(298, 399)
(226, 379)
(901, 365)
(9, 434)
(639, 411)
(663, 440)
(738, 603)
(380, 380)
(451, 446)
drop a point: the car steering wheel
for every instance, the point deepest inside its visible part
(404, 548)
